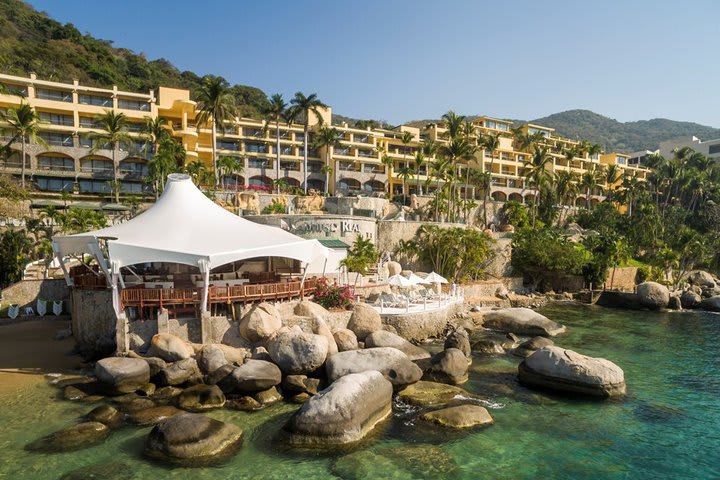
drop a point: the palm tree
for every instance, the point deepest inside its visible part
(24, 125)
(589, 181)
(169, 158)
(404, 173)
(454, 151)
(537, 173)
(325, 138)
(429, 149)
(113, 133)
(215, 105)
(155, 131)
(613, 175)
(307, 105)
(228, 166)
(274, 112)
(419, 161)
(453, 123)
(491, 143)
(196, 170)
(566, 189)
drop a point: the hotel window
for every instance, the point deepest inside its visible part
(134, 169)
(96, 165)
(14, 89)
(230, 130)
(92, 186)
(54, 184)
(315, 167)
(366, 153)
(55, 95)
(133, 105)
(96, 100)
(299, 137)
(56, 119)
(88, 122)
(286, 150)
(294, 166)
(57, 139)
(87, 142)
(361, 138)
(372, 168)
(713, 149)
(133, 187)
(313, 153)
(225, 145)
(620, 160)
(135, 127)
(56, 163)
(347, 166)
(252, 132)
(544, 133)
(256, 147)
(341, 151)
(258, 163)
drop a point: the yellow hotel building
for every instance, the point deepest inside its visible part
(360, 162)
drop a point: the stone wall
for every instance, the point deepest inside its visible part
(27, 292)
(93, 321)
(349, 205)
(621, 279)
(423, 325)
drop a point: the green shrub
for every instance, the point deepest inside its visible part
(273, 208)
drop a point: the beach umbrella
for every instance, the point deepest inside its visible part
(417, 280)
(435, 278)
(399, 281)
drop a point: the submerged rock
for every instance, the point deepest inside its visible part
(432, 394)
(344, 412)
(560, 369)
(423, 461)
(527, 348)
(461, 416)
(102, 471)
(153, 415)
(74, 437)
(199, 398)
(383, 338)
(245, 404)
(193, 439)
(106, 415)
(122, 374)
(521, 321)
(391, 362)
(653, 295)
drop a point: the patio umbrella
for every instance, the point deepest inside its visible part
(417, 280)
(399, 281)
(435, 278)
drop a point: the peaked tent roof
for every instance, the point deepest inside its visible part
(184, 226)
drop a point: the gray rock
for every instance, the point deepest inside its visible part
(200, 398)
(260, 353)
(345, 339)
(675, 303)
(364, 321)
(169, 347)
(153, 415)
(449, 366)
(260, 323)
(323, 330)
(459, 339)
(526, 348)
(297, 352)
(211, 358)
(653, 295)
(521, 321)
(306, 308)
(493, 343)
(137, 343)
(432, 394)
(156, 364)
(690, 299)
(71, 438)
(122, 374)
(113, 470)
(193, 439)
(252, 376)
(300, 384)
(344, 412)
(244, 404)
(180, 372)
(391, 362)
(712, 304)
(268, 397)
(106, 415)
(73, 393)
(383, 338)
(560, 369)
(461, 416)
(701, 279)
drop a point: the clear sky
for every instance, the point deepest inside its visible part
(400, 60)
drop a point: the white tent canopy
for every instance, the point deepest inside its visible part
(435, 278)
(184, 226)
(417, 280)
(399, 281)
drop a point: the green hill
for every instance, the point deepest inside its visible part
(30, 41)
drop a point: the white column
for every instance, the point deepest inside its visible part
(206, 288)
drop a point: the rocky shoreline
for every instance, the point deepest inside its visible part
(346, 381)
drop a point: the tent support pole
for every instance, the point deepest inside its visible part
(115, 293)
(302, 282)
(324, 266)
(206, 288)
(63, 267)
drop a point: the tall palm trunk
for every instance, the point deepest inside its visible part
(22, 162)
(116, 181)
(277, 154)
(214, 154)
(327, 170)
(305, 154)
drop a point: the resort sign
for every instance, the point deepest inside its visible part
(343, 227)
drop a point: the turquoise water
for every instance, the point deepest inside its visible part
(668, 426)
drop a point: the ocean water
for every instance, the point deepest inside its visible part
(668, 425)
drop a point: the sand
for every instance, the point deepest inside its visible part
(28, 350)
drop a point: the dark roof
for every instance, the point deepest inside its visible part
(333, 243)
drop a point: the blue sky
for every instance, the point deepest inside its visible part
(400, 60)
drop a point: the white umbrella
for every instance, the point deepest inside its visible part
(417, 280)
(435, 278)
(399, 281)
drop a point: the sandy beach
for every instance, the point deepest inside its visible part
(28, 350)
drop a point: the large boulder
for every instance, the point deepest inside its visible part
(345, 340)
(701, 279)
(260, 323)
(193, 439)
(70, 438)
(560, 369)
(252, 376)
(297, 352)
(461, 416)
(122, 374)
(364, 321)
(394, 268)
(391, 362)
(432, 394)
(522, 321)
(323, 330)
(106, 415)
(712, 304)
(199, 398)
(690, 299)
(383, 338)
(344, 412)
(178, 373)
(306, 308)
(170, 348)
(449, 366)
(459, 339)
(211, 358)
(653, 295)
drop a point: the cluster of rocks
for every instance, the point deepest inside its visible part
(701, 291)
(348, 381)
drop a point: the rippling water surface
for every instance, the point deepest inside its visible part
(668, 426)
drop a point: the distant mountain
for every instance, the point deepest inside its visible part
(30, 41)
(613, 136)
